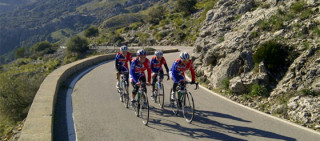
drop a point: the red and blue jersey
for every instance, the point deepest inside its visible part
(122, 61)
(156, 65)
(137, 69)
(178, 68)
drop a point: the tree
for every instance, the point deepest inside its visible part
(77, 45)
(91, 32)
(186, 6)
(20, 52)
(156, 14)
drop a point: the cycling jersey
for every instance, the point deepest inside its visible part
(178, 68)
(137, 70)
(121, 62)
(156, 65)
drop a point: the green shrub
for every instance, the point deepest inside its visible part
(135, 25)
(306, 13)
(317, 31)
(186, 6)
(17, 92)
(91, 32)
(161, 35)
(44, 47)
(272, 53)
(298, 6)
(307, 92)
(20, 52)
(155, 15)
(226, 83)
(77, 45)
(258, 90)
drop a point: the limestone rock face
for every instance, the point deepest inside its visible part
(231, 33)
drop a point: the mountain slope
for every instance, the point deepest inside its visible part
(37, 21)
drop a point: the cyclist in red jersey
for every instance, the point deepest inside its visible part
(137, 75)
(156, 67)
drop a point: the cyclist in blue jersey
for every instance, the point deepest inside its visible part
(121, 63)
(177, 70)
(137, 75)
(156, 67)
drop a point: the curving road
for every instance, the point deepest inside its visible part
(99, 115)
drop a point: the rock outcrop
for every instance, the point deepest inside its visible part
(230, 36)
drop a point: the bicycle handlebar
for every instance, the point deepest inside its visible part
(196, 83)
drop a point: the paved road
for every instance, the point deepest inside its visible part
(99, 115)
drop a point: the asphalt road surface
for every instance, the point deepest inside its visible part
(99, 115)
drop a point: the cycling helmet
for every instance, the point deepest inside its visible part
(141, 52)
(124, 48)
(158, 53)
(184, 56)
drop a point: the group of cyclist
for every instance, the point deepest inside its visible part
(139, 64)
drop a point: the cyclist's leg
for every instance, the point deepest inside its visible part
(154, 80)
(161, 74)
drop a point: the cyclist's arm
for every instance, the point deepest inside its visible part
(116, 65)
(165, 65)
(149, 71)
(132, 72)
(193, 74)
(130, 58)
(167, 69)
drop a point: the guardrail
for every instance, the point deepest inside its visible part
(39, 122)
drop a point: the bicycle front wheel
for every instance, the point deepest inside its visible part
(160, 96)
(125, 96)
(144, 109)
(188, 107)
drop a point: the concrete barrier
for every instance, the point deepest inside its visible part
(39, 123)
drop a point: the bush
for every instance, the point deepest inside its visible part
(17, 93)
(155, 15)
(41, 48)
(226, 83)
(91, 32)
(20, 52)
(273, 54)
(77, 45)
(186, 6)
(298, 6)
(258, 90)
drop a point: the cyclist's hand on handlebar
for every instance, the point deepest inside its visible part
(138, 83)
(148, 83)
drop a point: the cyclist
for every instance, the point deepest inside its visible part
(177, 71)
(121, 63)
(137, 75)
(156, 67)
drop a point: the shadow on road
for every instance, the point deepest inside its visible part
(203, 127)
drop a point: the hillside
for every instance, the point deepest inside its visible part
(55, 21)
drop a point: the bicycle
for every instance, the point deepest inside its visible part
(141, 106)
(159, 92)
(184, 101)
(123, 90)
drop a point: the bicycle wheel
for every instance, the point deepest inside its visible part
(121, 91)
(160, 96)
(173, 104)
(155, 93)
(125, 96)
(188, 107)
(144, 109)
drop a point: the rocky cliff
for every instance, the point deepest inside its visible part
(232, 34)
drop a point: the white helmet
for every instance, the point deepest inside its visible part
(184, 56)
(124, 48)
(158, 53)
(141, 52)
